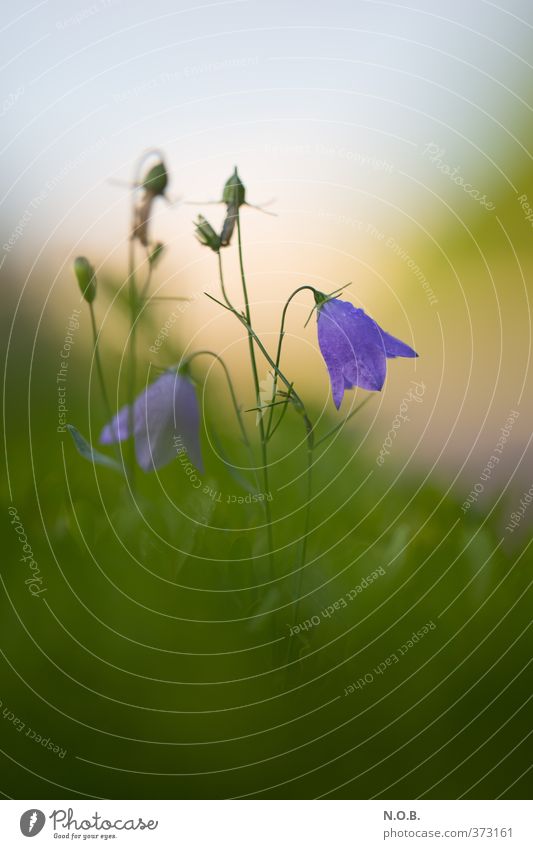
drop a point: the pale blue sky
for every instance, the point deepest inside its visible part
(87, 86)
(325, 106)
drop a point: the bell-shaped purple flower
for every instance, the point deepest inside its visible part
(354, 347)
(164, 415)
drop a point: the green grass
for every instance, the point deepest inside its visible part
(160, 650)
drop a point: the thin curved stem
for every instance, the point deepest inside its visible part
(303, 551)
(307, 515)
(243, 276)
(280, 419)
(299, 404)
(292, 396)
(146, 287)
(132, 352)
(291, 390)
(280, 343)
(232, 394)
(134, 312)
(98, 362)
(310, 447)
(262, 435)
(221, 277)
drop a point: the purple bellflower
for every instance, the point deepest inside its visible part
(166, 411)
(354, 347)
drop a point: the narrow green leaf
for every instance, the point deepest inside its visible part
(87, 451)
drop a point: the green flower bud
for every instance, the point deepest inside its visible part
(86, 278)
(320, 298)
(155, 253)
(228, 226)
(206, 235)
(156, 180)
(234, 192)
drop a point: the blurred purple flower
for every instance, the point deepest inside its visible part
(167, 410)
(354, 347)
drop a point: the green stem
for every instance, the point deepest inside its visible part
(310, 446)
(99, 369)
(221, 276)
(303, 551)
(280, 343)
(134, 314)
(233, 395)
(291, 390)
(262, 434)
(280, 418)
(146, 286)
(308, 426)
(132, 356)
(307, 515)
(134, 302)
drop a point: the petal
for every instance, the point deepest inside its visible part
(394, 347)
(117, 429)
(337, 381)
(363, 359)
(368, 368)
(333, 338)
(350, 339)
(153, 423)
(187, 420)
(167, 410)
(335, 348)
(352, 325)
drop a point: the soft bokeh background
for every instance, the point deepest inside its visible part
(360, 124)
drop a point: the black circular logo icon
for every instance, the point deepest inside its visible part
(32, 822)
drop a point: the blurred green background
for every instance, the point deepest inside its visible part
(395, 144)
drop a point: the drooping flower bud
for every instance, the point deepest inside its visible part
(206, 235)
(228, 226)
(320, 298)
(355, 348)
(156, 179)
(155, 253)
(141, 218)
(86, 278)
(166, 423)
(234, 193)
